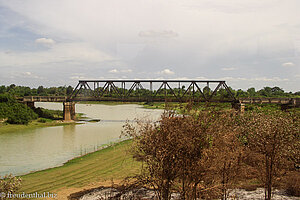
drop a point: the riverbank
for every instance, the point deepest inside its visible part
(8, 128)
(39, 123)
(103, 167)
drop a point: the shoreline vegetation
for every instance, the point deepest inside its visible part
(16, 116)
(38, 123)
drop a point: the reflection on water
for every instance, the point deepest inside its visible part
(30, 150)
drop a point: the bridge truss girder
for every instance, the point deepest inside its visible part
(92, 90)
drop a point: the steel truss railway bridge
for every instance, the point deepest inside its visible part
(152, 91)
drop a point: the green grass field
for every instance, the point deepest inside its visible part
(113, 162)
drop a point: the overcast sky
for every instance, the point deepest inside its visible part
(248, 43)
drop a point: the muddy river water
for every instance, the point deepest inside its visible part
(25, 151)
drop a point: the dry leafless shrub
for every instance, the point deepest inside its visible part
(204, 153)
(292, 184)
(271, 138)
(191, 154)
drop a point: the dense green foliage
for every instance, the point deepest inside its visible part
(220, 94)
(48, 114)
(18, 113)
(14, 112)
(21, 91)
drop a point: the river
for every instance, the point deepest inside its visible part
(25, 151)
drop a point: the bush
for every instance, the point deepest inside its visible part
(6, 98)
(293, 184)
(19, 114)
(48, 114)
(9, 184)
(42, 120)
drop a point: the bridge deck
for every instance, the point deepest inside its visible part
(44, 99)
(271, 100)
(291, 101)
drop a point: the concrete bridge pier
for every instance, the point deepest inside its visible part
(239, 106)
(30, 104)
(69, 111)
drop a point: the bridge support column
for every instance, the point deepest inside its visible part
(30, 104)
(69, 111)
(239, 107)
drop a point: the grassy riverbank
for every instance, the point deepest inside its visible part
(101, 166)
(8, 128)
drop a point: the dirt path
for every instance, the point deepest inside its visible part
(63, 193)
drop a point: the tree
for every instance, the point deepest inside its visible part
(241, 93)
(226, 152)
(69, 90)
(206, 91)
(266, 91)
(154, 146)
(270, 137)
(2, 89)
(169, 150)
(276, 91)
(40, 90)
(251, 92)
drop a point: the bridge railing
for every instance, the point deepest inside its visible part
(270, 100)
(44, 99)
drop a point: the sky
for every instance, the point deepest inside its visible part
(247, 43)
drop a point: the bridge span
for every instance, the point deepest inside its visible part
(153, 91)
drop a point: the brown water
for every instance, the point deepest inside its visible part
(22, 151)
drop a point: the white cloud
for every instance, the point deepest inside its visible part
(126, 70)
(166, 72)
(116, 71)
(64, 52)
(228, 68)
(78, 77)
(113, 71)
(158, 34)
(263, 79)
(45, 41)
(288, 64)
(24, 75)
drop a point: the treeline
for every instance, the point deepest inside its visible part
(21, 91)
(265, 92)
